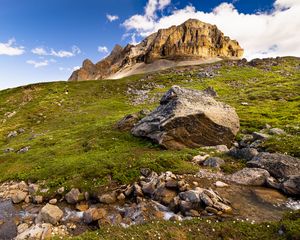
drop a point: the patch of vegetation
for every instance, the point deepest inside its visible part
(69, 126)
(288, 228)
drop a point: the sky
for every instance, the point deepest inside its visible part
(43, 41)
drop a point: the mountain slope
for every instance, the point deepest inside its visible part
(69, 126)
(192, 40)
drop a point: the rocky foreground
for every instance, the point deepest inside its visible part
(39, 212)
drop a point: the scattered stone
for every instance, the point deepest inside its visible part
(250, 176)
(22, 227)
(214, 162)
(128, 122)
(53, 201)
(33, 188)
(8, 150)
(39, 231)
(61, 190)
(189, 118)
(278, 165)
(51, 214)
(94, 214)
(38, 199)
(221, 184)
(23, 150)
(190, 196)
(218, 148)
(277, 131)
(260, 136)
(164, 195)
(244, 153)
(210, 91)
(199, 159)
(73, 196)
(12, 134)
(292, 185)
(108, 198)
(18, 196)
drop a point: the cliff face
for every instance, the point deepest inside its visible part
(191, 40)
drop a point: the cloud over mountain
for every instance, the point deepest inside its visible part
(262, 34)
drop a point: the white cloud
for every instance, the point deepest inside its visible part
(9, 48)
(76, 68)
(61, 53)
(38, 64)
(39, 51)
(257, 33)
(112, 18)
(102, 49)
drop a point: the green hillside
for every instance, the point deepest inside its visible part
(70, 126)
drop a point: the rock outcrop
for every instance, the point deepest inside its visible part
(189, 118)
(189, 41)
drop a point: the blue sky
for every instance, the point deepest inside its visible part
(45, 40)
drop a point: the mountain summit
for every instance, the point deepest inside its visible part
(191, 41)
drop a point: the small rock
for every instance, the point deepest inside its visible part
(260, 136)
(199, 159)
(38, 199)
(12, 134)
(39, 231)
(18, 196)
(8, 150)
(53, 201)
(22, 227)
(61, 190)
(108, 198)
(211, 210)
(221, 184)
(23, 150)
(276, 131)
(51, 214)
(94, 214)
(121, 197)
(215, 162)
(33, 188)
(73, 196)
(244, 153)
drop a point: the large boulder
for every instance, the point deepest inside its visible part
(278, 165)
(249, 176)
(189, 118)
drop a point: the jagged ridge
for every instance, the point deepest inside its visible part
(191, 40)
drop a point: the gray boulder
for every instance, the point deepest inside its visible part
(278, 165)
(250, 176)
(189, 118)
(292, 185)
(214, 162)
(244, 153)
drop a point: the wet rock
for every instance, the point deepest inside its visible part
(94, 214)
(39, 231)
(82, 206)
(149, 188)
(8, 228)
(214, 162)
(73, 196)
(244, 153)
(38, 199)
(164, 195)
(171, 183)
(22, 227)
(108, 198)
(292, 185)
(250, 176)
(33, 188)
(189, 118)
(137, 189)
(185, 206)
(18, 196)
(51, 214)
(269, 196)
(278, 165)
(190, 196)
(206, 199)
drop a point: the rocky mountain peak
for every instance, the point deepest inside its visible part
(192, 40)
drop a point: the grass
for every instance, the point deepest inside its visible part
(72, 137)
(202, 229)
